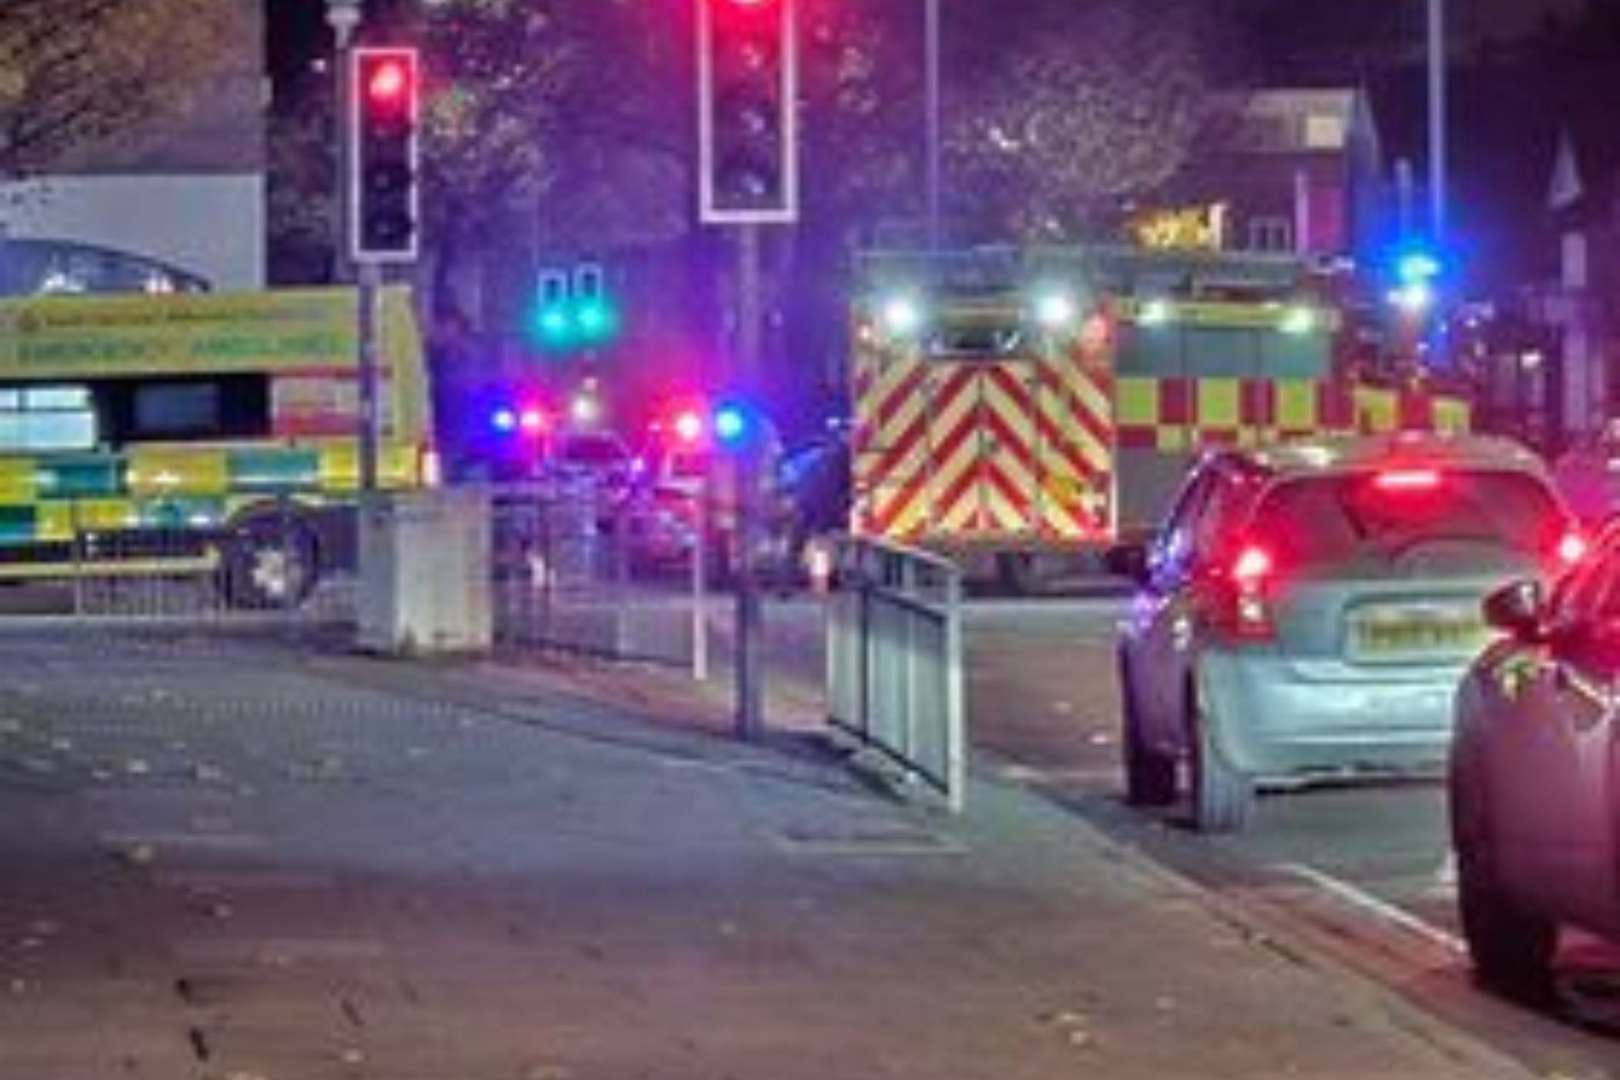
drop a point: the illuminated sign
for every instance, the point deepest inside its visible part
(1194, 228)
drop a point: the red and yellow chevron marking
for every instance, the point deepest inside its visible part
(1008, 465)
(982, 450)
(890, 451)
(956, 447)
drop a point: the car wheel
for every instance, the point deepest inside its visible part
(1512, 948)
(266, 570)
(1222, 797)
(1150, 776)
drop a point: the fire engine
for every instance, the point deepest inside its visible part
(1028, 408)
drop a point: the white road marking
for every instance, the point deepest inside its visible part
(1383, 909)
(276, 951)
(181, 840)
(1083, 774)
(246, 880)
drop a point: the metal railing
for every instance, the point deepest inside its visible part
(166, 567)
(894, 660)
(580, 567)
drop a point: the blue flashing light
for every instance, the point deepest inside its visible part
(503, 420)
(730, 424)
(1417, 267)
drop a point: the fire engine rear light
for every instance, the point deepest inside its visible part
(1407, 480)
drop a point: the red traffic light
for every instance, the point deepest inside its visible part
(383, 162)
(389, 82)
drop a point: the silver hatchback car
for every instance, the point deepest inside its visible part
(1309, 609)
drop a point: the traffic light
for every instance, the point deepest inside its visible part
(554, 317)
(596, 319)
(383, 155)
(748, 121)
(574, 312)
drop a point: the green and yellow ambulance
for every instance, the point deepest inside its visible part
(181, 433)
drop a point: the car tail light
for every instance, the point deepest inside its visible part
(1244, 603)
(1393, 480)
(1571, 549)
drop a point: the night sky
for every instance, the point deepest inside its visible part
(296, 33)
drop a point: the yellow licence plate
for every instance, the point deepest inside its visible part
(1419, 636)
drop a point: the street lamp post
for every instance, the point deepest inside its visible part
(343, 16)
(931, 32)
(1437, 120)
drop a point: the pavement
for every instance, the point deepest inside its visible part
(247, 857)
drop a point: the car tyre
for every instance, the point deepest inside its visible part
(1150, 776)
(265, 571)
(1222, 797)
(1512, 948)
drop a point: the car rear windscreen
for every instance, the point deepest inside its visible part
(1322, 520)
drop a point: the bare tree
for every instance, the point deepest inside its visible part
(1074, 110)
(75, 74)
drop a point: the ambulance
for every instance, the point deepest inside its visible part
(195, 432)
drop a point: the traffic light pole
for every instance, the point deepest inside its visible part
(750, 718)
(343, 16)
(370, 275)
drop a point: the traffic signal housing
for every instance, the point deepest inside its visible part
(596, 316)
(748, 77)
(384, 154)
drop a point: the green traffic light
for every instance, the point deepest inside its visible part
(597, 319)
(592, 317)
(563, 326)
(555, 326)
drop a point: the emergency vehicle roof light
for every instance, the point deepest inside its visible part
(902, 316)
(731, 423)
(689, 426)
(1298, 320)
(1056, 310)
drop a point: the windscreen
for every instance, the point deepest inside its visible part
(1325, 520)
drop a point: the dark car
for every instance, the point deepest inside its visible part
(1533, 779)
